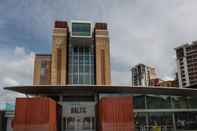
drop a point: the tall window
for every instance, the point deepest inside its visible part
(81, 65)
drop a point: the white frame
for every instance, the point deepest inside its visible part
(78, 21)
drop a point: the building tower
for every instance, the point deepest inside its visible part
(42, 69)
(80, 55)
(187, 64)
(142, 75)
(103, 74)
(59, 54)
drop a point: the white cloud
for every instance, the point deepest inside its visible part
(141, 31)
(16, 68)
(10, 82)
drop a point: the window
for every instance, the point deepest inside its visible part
(81, 29)
(42, 69)
(158, 102)
(82, 65)
(179, 102)
(139, 102)
(186, 120)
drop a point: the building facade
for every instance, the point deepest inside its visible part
(153, 109)
(169, 83)
(75, 77)
(142, 75)
(80, 55)
(187, 64)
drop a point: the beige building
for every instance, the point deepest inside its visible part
(187, 64)
(142, 75)
(169, 83)
(80, 55)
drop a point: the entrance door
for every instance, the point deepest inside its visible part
(78, 116)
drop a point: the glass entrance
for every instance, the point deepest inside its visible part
(161, 121)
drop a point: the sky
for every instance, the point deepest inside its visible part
(141, 31)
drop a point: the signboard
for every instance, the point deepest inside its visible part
(78, 116)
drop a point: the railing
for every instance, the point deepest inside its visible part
(154, 128)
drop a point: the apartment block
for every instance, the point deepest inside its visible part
(142, 75)
(187, 64)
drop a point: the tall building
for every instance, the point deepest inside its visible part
(80, 55)
(187, 64)
(142, 75)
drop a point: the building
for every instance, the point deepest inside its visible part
(80, 55)
(187, 64)
(82, 99)
(163, 83)
(168, 83)
(167, 109)
(142, 75)
(155, 82)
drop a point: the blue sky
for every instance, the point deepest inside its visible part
(141, 31)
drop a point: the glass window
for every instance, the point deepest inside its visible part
(82, 64)
(186, 120)
(140, 121)
(160, 121)
(81, 79)
(75, 79)
(70, 123)
(158, 102)
(80, 69)
(70, 77)
(92, 69)
(87, 59)
(139, 102)
(43, 68)
(92, 79)
(86, 123)
(75, 68)
(86, 79)
(75, 60)
(92, 59)
(87, 68)
(86, 50)
(192, 102)
(80, 51)
(179, 102)
(80, 59)
(75, 50)
(81, 29)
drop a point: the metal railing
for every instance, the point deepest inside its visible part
(154, 128)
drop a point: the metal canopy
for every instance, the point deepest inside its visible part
(94, 89)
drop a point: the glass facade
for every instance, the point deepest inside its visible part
(81, 29)
(186, 120)
(139, 102)
(158, 102)
(163, 112)
(81, 65)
